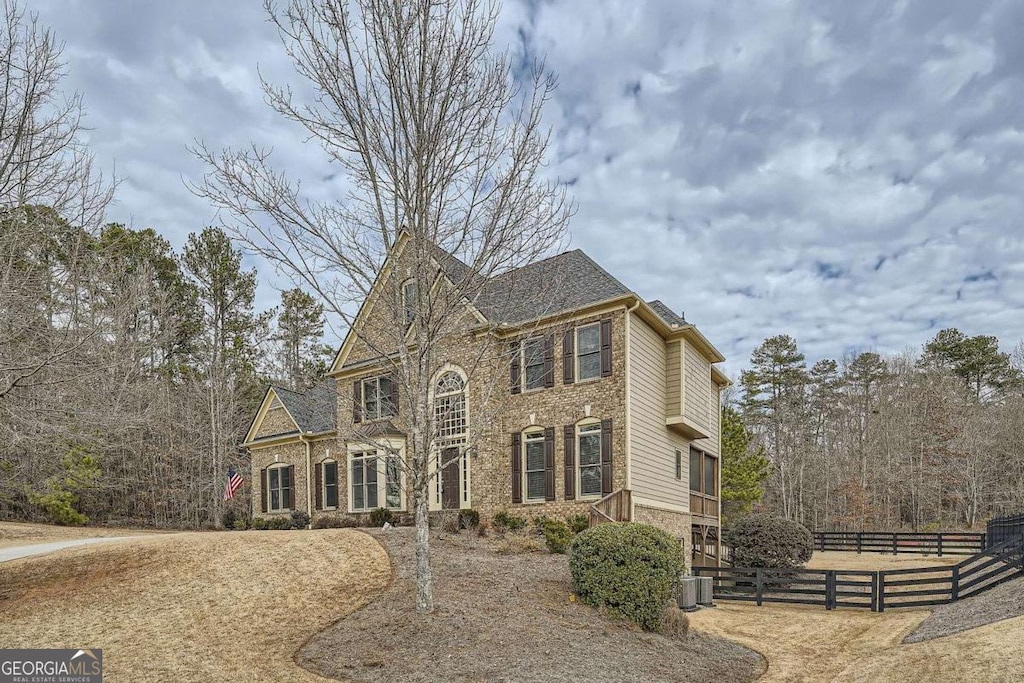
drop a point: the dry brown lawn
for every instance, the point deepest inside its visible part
(831, 559)
(812, 644)
(504, 618)
(193, 606)
(27, 533)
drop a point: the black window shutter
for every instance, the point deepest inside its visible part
(263, 490)
(318, 483)
(606, 457)
(393, 396)
(570, 462)
(515, 371)
(606, 348)
(291, 487)
(549, 361)
(357, 401)
(517, 468)
(549, 463)
(568, 357)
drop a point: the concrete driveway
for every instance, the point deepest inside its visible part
(19, 551)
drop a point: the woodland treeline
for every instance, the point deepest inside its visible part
(922, 440)
(129, 372)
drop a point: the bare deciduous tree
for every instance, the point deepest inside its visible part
(440, 140)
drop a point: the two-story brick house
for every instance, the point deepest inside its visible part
(593, 401)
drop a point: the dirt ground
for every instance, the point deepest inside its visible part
(193, 606)
(26, 533)
(812, 644)
(505, 618)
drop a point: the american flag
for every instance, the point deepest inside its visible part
(234, 483)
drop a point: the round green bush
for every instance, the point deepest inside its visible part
(768, 541)
(628, 568)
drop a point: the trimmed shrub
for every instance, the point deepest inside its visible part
(227, 519)
(577, 523)
(299, 519)
(504, 521)
(760, 540)
(556, 534)
(327, 522)
(241, 524)
(279, 523)
(628, 568)
(349, 522)
(259, 523)
(469, 518)
(380, 517)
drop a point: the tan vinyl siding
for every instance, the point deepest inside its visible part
(698, 388)
(673, 378)
(652, 446)
(710, 444)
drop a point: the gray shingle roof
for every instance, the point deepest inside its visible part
(666, 313)
(558, 284)
(315, 410)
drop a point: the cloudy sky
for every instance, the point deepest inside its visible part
(851, 173)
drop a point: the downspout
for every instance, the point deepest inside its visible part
(629, 454)
(309, 479)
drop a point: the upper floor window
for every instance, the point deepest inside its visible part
(588, 352)
(533, 363)
(410, 299)
(450, 406)
(377, 398)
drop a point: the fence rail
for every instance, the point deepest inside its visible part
(946, 542)
(874, 590)
(1002, 528)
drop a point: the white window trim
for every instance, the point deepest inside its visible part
(522, 364)
(527, 433)
(466, 466)
(277, 511)
(323, 482)
(579, 452)
(394, 448)
(576, 352)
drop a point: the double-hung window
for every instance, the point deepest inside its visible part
(588, 352)
(533, 364)
(533, 465)
(590, 460)
(279, 488)
(364, 480)
(330, 477)
(378, 398)
(703, 474)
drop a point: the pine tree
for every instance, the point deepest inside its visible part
(744, 467)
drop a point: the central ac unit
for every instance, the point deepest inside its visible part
(686, 593)
(705, 590)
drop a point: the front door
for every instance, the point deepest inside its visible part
(450, 479)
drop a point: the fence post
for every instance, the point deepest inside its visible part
(984, 541)
(858, 542)
(760, 587)
(940, 544)
(881, 591)
(894, 552)
(874, 591)
(821, 540)
(830, 589)
(954, 593)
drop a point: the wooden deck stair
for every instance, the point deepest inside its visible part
(615, 507)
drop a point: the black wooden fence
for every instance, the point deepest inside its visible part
(874, 590)
(1001, 529)
(945, 542)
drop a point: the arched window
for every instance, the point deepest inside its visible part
(450, 407)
